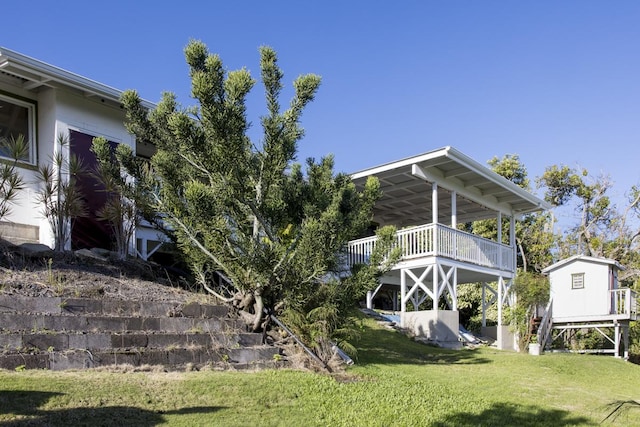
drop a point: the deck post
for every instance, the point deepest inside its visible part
(512, 241)
(499, 222)
(454, 213)
(403, 294)
(436, 287)
(625, 339)
(616, 344)
(484, 305)
(499, 331)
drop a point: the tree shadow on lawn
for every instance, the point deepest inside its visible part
(382, 346)
(27, 403)
(509, 414)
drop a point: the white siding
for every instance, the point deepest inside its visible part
(593, 299)
(57, 112)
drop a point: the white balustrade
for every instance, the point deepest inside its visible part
(436, 239)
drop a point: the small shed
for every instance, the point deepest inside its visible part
(581, 286)
(585, 294)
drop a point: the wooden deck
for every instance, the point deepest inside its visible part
(438, 240)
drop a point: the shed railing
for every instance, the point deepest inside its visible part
(624, 303)
(439, 240)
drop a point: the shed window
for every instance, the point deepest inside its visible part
(17, 117)
(577, 281)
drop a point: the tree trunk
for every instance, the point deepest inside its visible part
(259, 307)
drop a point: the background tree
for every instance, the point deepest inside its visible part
(59, 194)
(11, 181)
(602, 230)
(535, 241)
(247, 209)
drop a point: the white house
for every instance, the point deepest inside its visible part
(426, 197)
(42, 101)
(585, 294)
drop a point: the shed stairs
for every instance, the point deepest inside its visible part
(78, 333)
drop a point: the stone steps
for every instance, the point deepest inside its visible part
(77, 333)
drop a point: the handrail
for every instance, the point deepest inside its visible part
(439, 240)
(624, 302)
(544, 330)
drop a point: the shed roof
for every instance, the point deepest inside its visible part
(481, 192)
(583, 258)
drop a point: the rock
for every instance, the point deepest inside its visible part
(87, 253)
(34, 249)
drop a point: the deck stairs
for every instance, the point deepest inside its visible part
(77, 333)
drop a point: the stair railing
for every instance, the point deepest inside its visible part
(544, 330)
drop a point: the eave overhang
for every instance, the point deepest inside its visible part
(35, 73)
(480, 192)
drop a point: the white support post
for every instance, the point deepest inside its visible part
(436, 288)
(434, 203)
(403, 293)
(499, 239)
(454, 209)
(455, 289)
(484, 305)
(625, 339)
(512, 239)
(499, 331)
(616, 344)
(369, 300)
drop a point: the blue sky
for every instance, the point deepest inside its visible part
(555, 82)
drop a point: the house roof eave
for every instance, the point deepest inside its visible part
(39, 73)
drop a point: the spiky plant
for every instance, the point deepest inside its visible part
(59, 194)
(11, 181)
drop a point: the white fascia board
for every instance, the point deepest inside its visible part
(13, 60)
(573, 258)
(473, 165)
(400, 163)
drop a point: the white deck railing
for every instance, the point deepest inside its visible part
(439, 240)
(624, 302)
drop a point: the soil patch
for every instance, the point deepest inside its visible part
(51, 274)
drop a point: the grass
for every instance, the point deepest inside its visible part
(395, 382)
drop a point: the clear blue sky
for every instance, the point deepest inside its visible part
(553, 82)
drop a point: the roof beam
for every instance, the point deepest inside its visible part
(468, 192)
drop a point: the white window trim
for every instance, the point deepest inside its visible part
(31, 118)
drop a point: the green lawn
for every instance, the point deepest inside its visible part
(395, 383)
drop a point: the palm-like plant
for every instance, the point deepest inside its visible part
(59, 194)
(10, 180)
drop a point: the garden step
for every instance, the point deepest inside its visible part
(19, 322)
(100, 341)
(254, 357)
(77, 333)
(108, 307)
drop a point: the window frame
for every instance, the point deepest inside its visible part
(574, 276)
(31, 106)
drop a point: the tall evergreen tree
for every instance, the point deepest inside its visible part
(245, 208)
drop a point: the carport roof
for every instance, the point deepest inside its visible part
(480, 192)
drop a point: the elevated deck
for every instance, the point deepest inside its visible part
(437, 240)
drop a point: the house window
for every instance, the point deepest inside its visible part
(17, 117)
(577, 281)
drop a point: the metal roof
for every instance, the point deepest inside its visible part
(585, 258)
(480, 192)
(35, 73)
